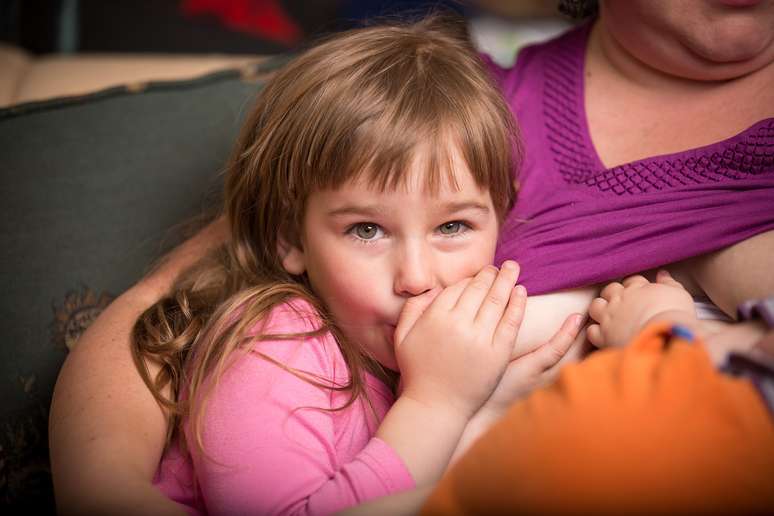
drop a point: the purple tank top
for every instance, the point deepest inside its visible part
(577, 223)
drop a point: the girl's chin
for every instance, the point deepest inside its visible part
(390, 363)
(393, 368)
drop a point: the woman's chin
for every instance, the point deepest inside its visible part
(745, 38)
(721, 61)
(745, 49)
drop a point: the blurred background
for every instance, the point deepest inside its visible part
(246, 26)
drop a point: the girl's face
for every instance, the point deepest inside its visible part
(366, 252)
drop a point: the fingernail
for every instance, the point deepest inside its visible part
(509, 264)
(520, 290)
(578, 320)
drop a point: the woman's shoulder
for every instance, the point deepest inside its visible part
(570, 43)
(532, 58)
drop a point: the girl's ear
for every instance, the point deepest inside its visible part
(293, 260)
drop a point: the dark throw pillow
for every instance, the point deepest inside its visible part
(94, 189)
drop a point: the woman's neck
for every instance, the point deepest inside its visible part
(638, 73)
(635, 111)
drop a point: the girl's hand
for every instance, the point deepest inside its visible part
(623, 309)
(538, 367)
(523, 375)
(452, 346)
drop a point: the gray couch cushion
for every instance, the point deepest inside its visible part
(93, 189)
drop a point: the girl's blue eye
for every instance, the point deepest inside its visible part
(366, 230)
(450, 228)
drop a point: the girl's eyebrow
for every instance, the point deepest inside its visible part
(453, 207)
(377, 209)
(368, 211)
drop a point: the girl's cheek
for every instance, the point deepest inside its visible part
(473, 263)
(358, 286)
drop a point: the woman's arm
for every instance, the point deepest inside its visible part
(106, 430)
(401, 504)
(736, 273)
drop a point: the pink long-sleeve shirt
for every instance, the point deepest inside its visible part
(275, 451)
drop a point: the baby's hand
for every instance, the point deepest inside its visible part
(454, 351)
(623, 309)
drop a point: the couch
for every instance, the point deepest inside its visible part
(100, 156)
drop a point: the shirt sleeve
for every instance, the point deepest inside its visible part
(269, 445)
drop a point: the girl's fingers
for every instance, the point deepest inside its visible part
(496, 302)
(611, 290)
(477, 291)
(574, 353)
(594, 334)
(635, 280)
(449, 296)
(550, 353)
(412, 311)
(508, 328)
(578, 349)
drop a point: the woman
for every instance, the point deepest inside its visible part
(658, 77)
(648, 138)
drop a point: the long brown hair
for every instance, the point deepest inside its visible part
(357, 104)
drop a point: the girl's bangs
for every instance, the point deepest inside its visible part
(386, 154)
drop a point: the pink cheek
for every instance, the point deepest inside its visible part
(355, 289)
(483, 256)
(468, 268)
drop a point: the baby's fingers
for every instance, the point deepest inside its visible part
(611, 290)
(594, 334)
(663, 277)
(636, 280)
(597, 308)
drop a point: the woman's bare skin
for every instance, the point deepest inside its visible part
(106, 431)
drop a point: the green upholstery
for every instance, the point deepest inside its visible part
(93, 190)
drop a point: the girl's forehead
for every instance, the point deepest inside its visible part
(457, 189)
(445, 181)
(432, 171)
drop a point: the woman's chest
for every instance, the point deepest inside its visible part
(626, 125)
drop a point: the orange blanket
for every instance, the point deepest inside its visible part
(650, 428)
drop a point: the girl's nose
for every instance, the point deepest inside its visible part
(414, 271)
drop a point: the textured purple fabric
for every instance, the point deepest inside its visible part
(577, 223)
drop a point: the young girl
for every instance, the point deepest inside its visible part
(375, 169)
